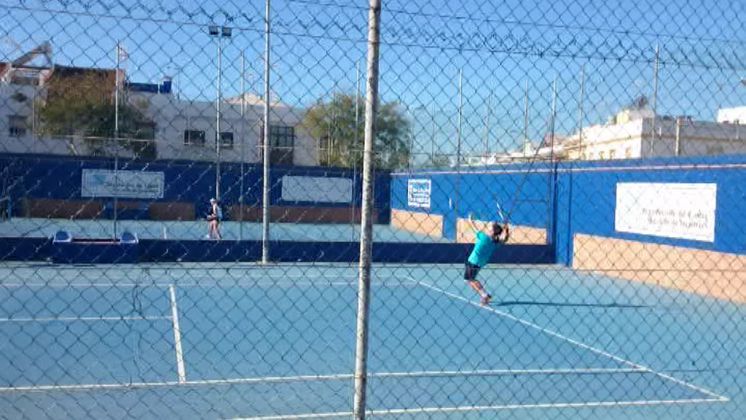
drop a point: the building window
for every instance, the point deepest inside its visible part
(282, 143)
(17, 125)
(226, 140)
(628, 152)
(282, 136)
(194, 137)
(612, 154)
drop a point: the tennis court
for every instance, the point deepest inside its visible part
(277, 341)
(196, 230)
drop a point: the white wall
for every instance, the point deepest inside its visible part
(736, 115)
(172, 117)
(10, 106)
(615, 137)
(696, 138)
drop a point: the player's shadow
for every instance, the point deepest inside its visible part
(566, 304)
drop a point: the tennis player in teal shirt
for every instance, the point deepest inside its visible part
(484, 246)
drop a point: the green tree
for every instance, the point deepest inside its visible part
(333, 124)
(83, 105)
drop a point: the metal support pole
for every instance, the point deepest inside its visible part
(355, 144)
(243, 142)
(432, 141)
(580, 111)
(266, 147)
(487, 125)
(554, 116)
(525, 123)
(655, 98)
(552, 172)
(677, 147)
(363, 302)
(458, 145)
(116, 140)
(460, 117)
(217, 118)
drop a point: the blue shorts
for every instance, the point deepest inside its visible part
(471, 271)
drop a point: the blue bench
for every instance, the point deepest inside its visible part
(67, 249)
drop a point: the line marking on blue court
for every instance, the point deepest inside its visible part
(232, 283)
(190, 284)
(508, 372)
(440, 410)
(330, 377)
(180, 369)
(86, 318)
(409, 281)
(574, 342)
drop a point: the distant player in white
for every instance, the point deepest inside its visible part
(214, 216)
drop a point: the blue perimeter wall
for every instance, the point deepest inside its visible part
(59, 177)
(524, 193)
(580, 197)
(565, 198)
(586, 199)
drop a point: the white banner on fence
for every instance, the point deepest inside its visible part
(672, 210)
(317, 189)
(418, 193)
(122, 184)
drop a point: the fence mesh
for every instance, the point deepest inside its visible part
(604, 141)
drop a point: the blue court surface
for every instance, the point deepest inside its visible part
(249, 341)
(196, 230)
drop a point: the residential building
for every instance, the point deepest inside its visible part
(179, 128)
(736, 115)
(631, 135)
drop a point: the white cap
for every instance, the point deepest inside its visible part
(212, 200)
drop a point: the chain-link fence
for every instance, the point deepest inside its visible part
(555, 191)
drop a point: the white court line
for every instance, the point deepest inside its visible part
(177, 336)
(212, 283)
(575, 342)
(330, 377)
(423, 410)
(85, 318)
(191, 283)
(236, 381)
(500, 372)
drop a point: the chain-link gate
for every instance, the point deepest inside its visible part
(555, 192)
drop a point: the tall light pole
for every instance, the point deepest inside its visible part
(266, 136)
(655, 100)
(219, 32)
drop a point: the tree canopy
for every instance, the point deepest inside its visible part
(83, 105)
(341, 137)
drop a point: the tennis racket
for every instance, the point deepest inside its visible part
(500, 212)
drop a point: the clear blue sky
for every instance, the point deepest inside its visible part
(499, 45)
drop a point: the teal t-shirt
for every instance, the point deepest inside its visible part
(483, 249)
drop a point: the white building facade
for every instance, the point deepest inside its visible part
(187, 130)
(736, 115)
(183, 129)
(649, 136)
